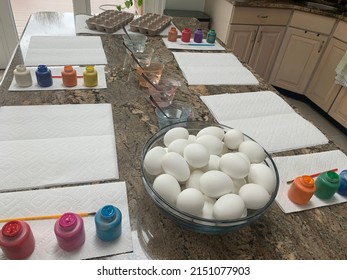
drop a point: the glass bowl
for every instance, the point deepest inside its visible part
(193, 222)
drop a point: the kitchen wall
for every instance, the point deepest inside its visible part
(190, 5)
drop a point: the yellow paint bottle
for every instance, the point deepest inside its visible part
(90, 76)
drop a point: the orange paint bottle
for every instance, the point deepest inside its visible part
(69, 76)
(302, 189)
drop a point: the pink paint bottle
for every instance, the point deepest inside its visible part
(69, 231)
(17, 240)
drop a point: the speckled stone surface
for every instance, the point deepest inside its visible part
(314, 234)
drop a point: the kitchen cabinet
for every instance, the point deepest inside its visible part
(339, 108)
(302, 47)
(323, 89)
(255, 36)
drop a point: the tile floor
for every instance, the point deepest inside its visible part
(23, 8)
(327, 127)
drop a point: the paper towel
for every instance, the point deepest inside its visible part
(179, 45)
(88, 198)
(265, 117)
(214, 69)
(56, 144)
(58, 82)
(65, 50)
(290, 167)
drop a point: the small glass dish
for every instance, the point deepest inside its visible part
(193, 222)
(164, 92)
(177, 111)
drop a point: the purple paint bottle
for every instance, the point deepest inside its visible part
(198, 36)
(69, 231)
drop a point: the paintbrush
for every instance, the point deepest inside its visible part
(44, 217)
(314, 175)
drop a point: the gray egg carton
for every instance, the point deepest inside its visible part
(150, 24)
(109, 21)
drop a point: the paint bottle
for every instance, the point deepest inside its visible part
(327, 184)
(198, 36)
(108, 223)
(172, 35)
(69, 76)
(342, 190)
(44, 76)
(302, 189)
(211, 36)
(17, 240)
(22, 76)
(186, 34)
(69, 231)
(90, 77)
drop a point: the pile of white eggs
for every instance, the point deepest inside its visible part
(214, 174)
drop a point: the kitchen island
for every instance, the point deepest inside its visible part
(313, 234)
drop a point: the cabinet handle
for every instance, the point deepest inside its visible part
(321, 46)
(262, 17)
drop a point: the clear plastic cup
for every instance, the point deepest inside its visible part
(144, 58)
(137, 42)
(176, 112)
(153, 73)
(164, 92)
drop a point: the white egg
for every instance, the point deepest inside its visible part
(262, 175)
(196, 155)
(211, 130)
(192, 138)
(175, 133)
(253, 150)
(167, 187)
(191, 201)
(207, 210)
(236, 165)
(255, 196)
(213, 163)
(215, 183)
(178, 146)
(228, 207)
(233, 138)
(152, 160)
(213, 144)
(238, 183)
(175, 165)
(194, 179)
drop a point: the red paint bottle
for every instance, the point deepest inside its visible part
(17, 240)
(186, 34)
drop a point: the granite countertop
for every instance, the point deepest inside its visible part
(315, 234)
(341, 12)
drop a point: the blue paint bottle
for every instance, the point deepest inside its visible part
(43, 76)
(108, 222)
(342, 190)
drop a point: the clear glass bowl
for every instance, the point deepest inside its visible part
(188, 221)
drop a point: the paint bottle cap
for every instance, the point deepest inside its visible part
(68, 221)
(12, 229)
(108, 212)
(42, 68)
(68, 68)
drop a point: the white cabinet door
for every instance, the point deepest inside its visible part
(8, 33)
(323, 89)
(297, 59)
(241, 40)
(264, 54)
(339, 109)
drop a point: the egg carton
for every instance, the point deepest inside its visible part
(150, 24)
(109, 21)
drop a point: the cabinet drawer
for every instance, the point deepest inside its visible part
(341, 31)
(311, 22)
(260, 16)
